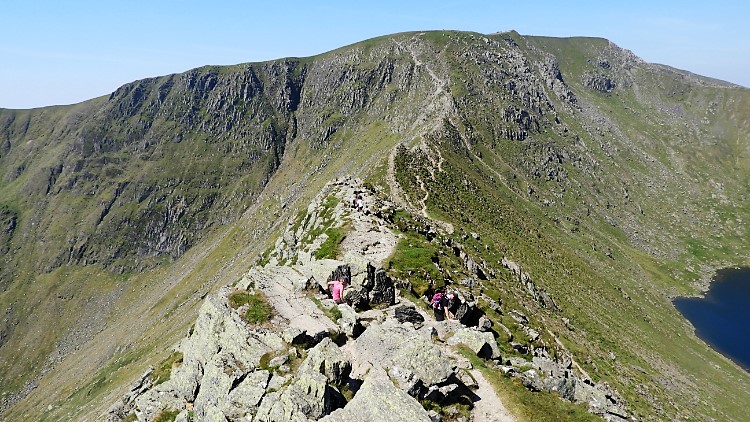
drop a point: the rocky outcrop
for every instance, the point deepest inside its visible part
(378, 400)
(599, 82)
(539, 295)
(545, 374)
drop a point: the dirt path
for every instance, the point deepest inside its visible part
(488, 408)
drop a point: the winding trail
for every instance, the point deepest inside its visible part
(489, 407)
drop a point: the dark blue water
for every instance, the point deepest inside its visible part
(722, 317)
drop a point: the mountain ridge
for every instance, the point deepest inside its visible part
(561, 138)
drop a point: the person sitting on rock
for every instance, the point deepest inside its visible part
(337, 289)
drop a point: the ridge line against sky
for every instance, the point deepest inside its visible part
(57, 52)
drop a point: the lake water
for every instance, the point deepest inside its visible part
(722, 317)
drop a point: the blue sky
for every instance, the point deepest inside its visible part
(63, 52)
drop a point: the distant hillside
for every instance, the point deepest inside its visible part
(614, 183)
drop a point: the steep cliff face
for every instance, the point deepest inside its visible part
(143, 174)
(606, 177)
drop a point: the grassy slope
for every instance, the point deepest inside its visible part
(663, 237)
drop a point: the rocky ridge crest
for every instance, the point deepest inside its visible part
(379, 359)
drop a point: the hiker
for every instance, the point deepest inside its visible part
(337, 291)
(354, 200)
(451, 305)
(360, 203)
(437, 303)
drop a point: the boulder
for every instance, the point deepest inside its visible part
(329, 360)
(359, 299)
(446, 329)
(481, 343)
(394, 346)
(378, 400)
(307, 397)
(382, 291)
(349, 321)
(406, 313)
(243, 400)
(484, 324)
(531, 380)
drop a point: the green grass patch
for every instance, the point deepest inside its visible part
(330, 247)
(334, 313)
(163, 372)
(166, 416)
(258, 311)
(413, 260)
(130, 418)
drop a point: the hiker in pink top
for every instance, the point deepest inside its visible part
(337, 291)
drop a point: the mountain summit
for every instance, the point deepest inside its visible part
(575, 185)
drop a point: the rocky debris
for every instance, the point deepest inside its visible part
(546, 374)
(220, 353)
(327, 359)
(539, 295)
(484, 324)
(120, 409)
(297, 367)
(8, 221)
(495, 305)
(306, 396)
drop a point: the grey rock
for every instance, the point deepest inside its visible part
(407, 381)
(531, 380)
(242, 401)
(389, 346)
(277, 381)
(358, 298)
(466, 379)
(383, 290)
(349, 323)
(485, 324)
(481, 343)
(378, 400)
(406, 313)
(434, 416)
(520, 348)
(445, 329)
(278, 361)
(327, 359)
(307, 397)
(294, 335)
